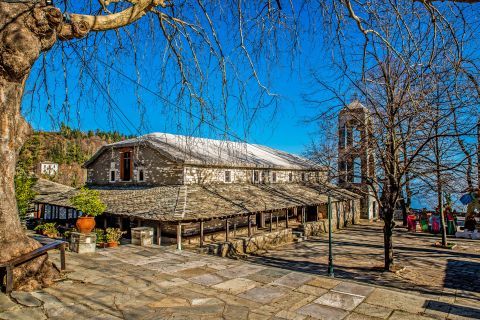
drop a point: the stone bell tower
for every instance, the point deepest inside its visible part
(356, 162)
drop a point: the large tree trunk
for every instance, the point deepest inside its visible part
(25, 31)
(389, 224)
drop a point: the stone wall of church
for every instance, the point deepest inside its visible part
(205, 175)
(157, 170)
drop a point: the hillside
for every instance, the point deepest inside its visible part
(70, 148)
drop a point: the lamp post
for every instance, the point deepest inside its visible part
(330, 255)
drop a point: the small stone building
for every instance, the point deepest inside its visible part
(190, 188)
(47, 168)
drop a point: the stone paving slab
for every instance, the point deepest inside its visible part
(397, 300)
(374, 311)
(263, 294)
(293, 280)
(237, 285)
(124, 283)
(318, 311)
(340, 300)
(353, 288)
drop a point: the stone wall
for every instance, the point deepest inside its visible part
(157, 170)
(199, 175)
(251, 245)
(342, 216)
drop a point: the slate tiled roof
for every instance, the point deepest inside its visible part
(202, 151)
(44, 187)
(195, 202)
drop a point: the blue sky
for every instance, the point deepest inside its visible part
(134, 110)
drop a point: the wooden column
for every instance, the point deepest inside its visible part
(271, 222)
(159, 234)
(139, 223)
(249, 225)
(262, 220)
(105, 222)
(276, 223)
(234, 229)
(286, 219)
(201, 233)
(179, 236)
(227, 229)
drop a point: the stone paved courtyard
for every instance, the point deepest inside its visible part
(160, 283)
(358, 255)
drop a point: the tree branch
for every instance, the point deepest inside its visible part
(81, 24)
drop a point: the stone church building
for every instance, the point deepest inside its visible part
(191, 189)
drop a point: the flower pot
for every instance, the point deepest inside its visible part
(112, 244)
(85, 224)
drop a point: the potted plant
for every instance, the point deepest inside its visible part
(89, 203)
(48, 229)
(101, 238)
(113, 235)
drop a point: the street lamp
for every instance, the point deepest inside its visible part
(330, 256)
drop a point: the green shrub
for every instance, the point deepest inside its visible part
(48, 229)
(100, 236)
(89, 202)
(114, 234)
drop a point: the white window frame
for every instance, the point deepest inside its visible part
(112, 170)
(230, 176)
(114, 175)
(142, 169)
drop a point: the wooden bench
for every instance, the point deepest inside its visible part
(6, 268)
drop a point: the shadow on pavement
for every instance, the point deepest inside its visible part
(450, 309)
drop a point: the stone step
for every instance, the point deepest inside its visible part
(297, 234)
(203, 250)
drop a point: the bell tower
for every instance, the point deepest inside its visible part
(356, 161)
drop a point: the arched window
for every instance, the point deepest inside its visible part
(357, 137)
(357, 170)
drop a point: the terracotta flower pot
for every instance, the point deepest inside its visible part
(85, 224)
(112, 244)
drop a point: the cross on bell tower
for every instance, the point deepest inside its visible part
(356, 161)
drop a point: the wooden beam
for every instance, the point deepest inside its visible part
(249, 225)
(227, 229)
(201, 233)
(286, 218)
(179, 236)
(271, 222)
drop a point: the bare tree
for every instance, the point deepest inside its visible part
(193, 52)
(407, 60)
